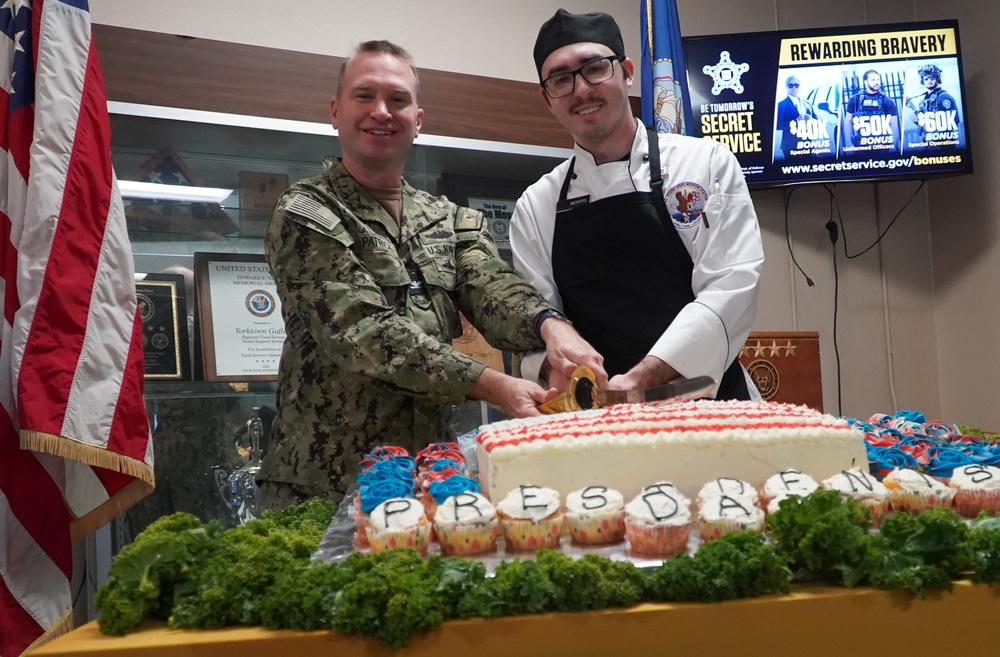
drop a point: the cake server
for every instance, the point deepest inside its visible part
(583, 393)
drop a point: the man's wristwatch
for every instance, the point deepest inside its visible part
(544, 315)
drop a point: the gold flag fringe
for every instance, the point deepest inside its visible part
(87, 524)
(62, 626)
(67, 448)
(46, 443)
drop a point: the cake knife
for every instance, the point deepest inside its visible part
(583, 393)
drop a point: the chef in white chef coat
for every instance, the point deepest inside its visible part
(654, 254)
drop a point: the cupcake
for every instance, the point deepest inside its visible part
(658, 520)
(734, 488)
(466, 523)
(977, 488)
(864, 489)
(381, 481)
(398, 523)
(774, 504)
(530, 518)
(724, 514)
(435, 452)
(785, 483)
(595, 515)
(915, 492)
(439, 491)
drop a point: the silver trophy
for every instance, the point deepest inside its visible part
(239, 487)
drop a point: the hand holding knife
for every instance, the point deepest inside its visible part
(583, 393)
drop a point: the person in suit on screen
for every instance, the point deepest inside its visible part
(792, 112)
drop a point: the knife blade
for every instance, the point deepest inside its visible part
(675, 390)
(583, 393)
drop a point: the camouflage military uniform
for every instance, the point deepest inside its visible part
(370, 310)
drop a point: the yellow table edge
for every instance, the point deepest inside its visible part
(815, 620)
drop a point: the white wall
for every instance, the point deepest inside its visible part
(917, 315)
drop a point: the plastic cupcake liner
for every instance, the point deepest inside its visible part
(878, 509)
(526, 534)
(360, 523)
(713, 529)
(430, 508)
(657, 540)
(920, 501)
(596, 528)
(969, 502)
(474, 538)
(418, 538)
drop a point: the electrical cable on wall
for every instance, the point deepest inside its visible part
(831, 228)
(788, 238)
(840, 220)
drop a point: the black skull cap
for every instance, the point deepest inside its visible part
(565, 28)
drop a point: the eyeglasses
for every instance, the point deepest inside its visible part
(594, 72)
(793, 84)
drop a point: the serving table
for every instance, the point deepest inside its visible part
(813, 620)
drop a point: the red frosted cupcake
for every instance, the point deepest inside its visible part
(658, 521)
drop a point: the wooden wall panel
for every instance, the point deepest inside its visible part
(153, 68)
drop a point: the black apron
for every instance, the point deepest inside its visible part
(624, 274)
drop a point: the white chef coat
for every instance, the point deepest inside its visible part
(728, 254)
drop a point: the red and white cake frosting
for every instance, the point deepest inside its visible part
(629, 446)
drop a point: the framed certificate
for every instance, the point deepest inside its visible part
(242, 331)
(163, 312)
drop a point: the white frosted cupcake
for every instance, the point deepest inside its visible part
(658, 520)
(785, 483)
(915, 492)
(595, 515)
(863, 488)
(734, 488)
(398, 522)
(466, 523)
(531, 518)
(724, 514)
(775, 504)
(977, 488)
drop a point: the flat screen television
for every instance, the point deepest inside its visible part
(875, 102)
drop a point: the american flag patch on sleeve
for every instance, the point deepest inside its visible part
(314, 211)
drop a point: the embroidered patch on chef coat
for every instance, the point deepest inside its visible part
(686, 204)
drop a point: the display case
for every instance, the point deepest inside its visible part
(200, 428)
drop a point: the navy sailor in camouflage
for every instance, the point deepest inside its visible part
(372, 275)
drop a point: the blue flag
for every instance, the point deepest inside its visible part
(665, 99)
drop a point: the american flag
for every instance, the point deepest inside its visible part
(75, 447)
(666, 103)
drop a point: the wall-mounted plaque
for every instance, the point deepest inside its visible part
(163, 311)
(240, 317)
(785, 366)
